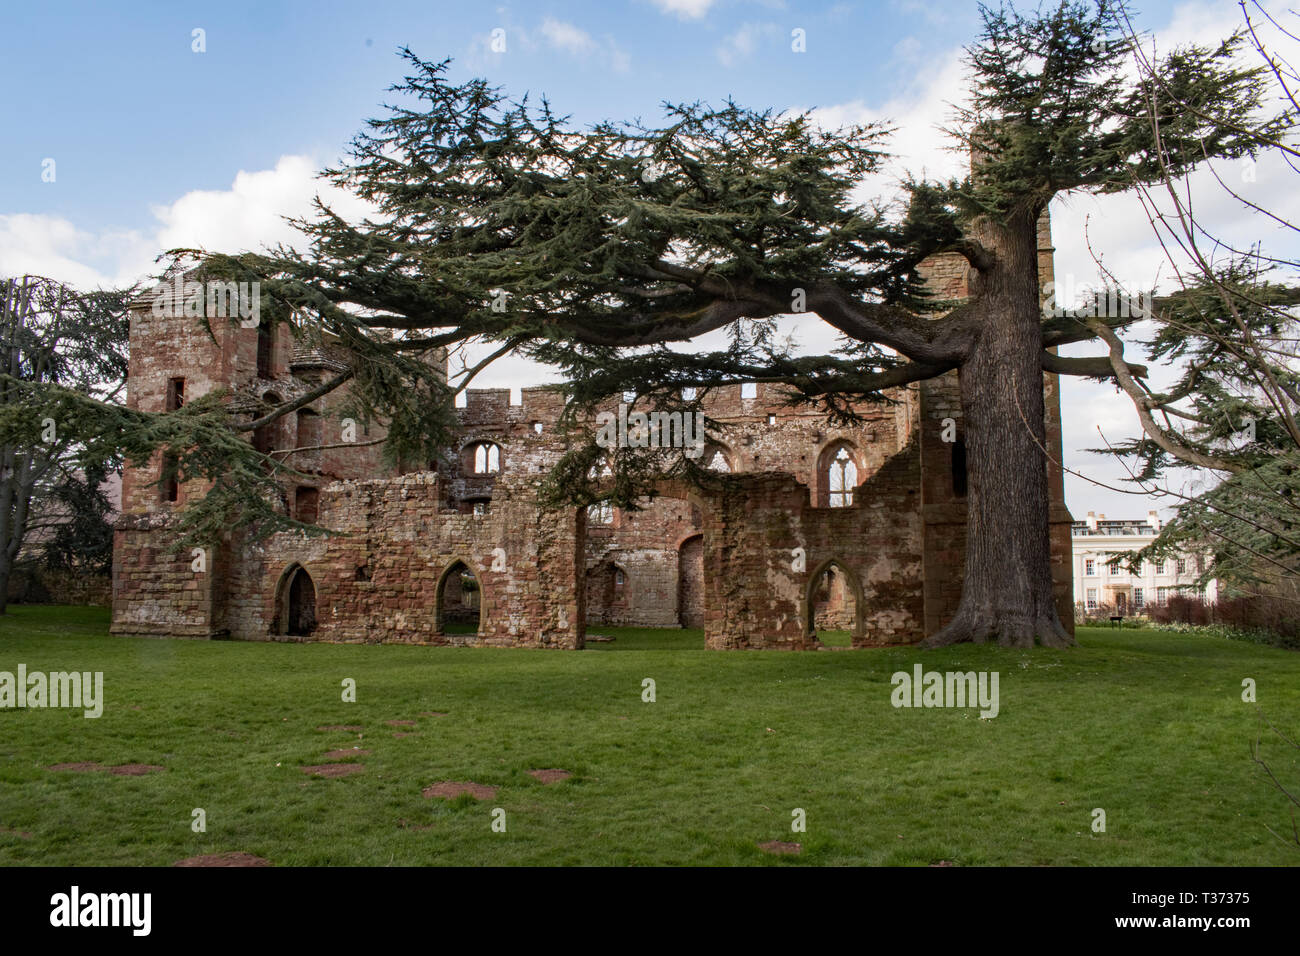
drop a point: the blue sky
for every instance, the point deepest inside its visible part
(156, 145)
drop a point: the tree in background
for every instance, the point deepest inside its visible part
(53, 337)
(1231, 328)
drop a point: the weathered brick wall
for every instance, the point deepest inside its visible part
(34, 584)
(155, 589)
(380, 581)
(766, 546)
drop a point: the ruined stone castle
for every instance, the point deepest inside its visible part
(802, 527)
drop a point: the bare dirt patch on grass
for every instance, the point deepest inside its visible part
(333, 769)
(550, 776)
(780, 848)
(223, 859)
(400, 723)
(451, 789)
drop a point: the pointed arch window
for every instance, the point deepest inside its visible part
(487, 458)
(842, 478)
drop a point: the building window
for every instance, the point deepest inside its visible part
(843, 479)
(620, 581)
(1112, 567)
(1180, 566)
(959, 468)
(1138, 601)
(771, 419)
(175, 394)
(602, 512)
(1160, 567)
(1089, 567)
(1162, 596)
(487, 458)
(171, 486)
(481, 507)
(749, 390)
(537, 427)
(1092, 599)
(1200, 564)
(306, 504)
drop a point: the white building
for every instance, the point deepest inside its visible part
(1100, 580)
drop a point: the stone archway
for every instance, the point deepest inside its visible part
(295, 603)
(459, 601)
(834, 602)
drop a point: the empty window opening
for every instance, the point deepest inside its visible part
(959, 468)
(175, 394)
(171, 486)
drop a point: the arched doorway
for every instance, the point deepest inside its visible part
(296, 612)
(834, 605)
(459, 608)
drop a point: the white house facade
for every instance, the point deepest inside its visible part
(1101, 581)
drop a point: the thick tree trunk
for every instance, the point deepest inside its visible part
(1007, 593)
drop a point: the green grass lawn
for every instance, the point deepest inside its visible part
(1148, 726)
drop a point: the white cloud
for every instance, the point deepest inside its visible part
(567, 37)
(577, 42)
(32, 244)
(248, 216)
(685, 9)
(740, 46)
